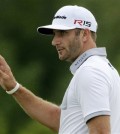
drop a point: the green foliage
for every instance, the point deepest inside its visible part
(3, 124)
(34, 61)
(34, 128)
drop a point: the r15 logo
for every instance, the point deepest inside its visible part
(83, 23)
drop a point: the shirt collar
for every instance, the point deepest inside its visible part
(82, 58)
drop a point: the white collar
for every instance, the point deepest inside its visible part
(82, 58)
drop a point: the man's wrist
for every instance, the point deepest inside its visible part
(12, 91)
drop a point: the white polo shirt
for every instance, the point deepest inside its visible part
(94, 90)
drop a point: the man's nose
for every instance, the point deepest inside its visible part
(56, 40)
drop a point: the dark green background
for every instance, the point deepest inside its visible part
(34, 61)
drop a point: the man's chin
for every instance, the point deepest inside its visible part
(64, 59)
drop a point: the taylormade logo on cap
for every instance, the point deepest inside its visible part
(60, 17)
(71, 17)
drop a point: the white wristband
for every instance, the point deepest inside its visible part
(14, 89)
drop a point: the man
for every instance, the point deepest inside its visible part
(91, 102)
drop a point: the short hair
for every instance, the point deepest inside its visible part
(93, 34)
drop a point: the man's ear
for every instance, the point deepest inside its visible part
(85, 34)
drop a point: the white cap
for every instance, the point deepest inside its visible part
(70, 17)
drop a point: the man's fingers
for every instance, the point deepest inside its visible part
(7, 80)
(2, 60)
(3, 76)
(2, 79)
(2, 68)
(3, 63)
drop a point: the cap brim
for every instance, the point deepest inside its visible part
(48, 30)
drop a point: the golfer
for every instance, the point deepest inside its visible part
(91, 103)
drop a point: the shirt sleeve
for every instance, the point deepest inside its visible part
(93, 92)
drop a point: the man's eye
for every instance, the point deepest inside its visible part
(63, 32)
